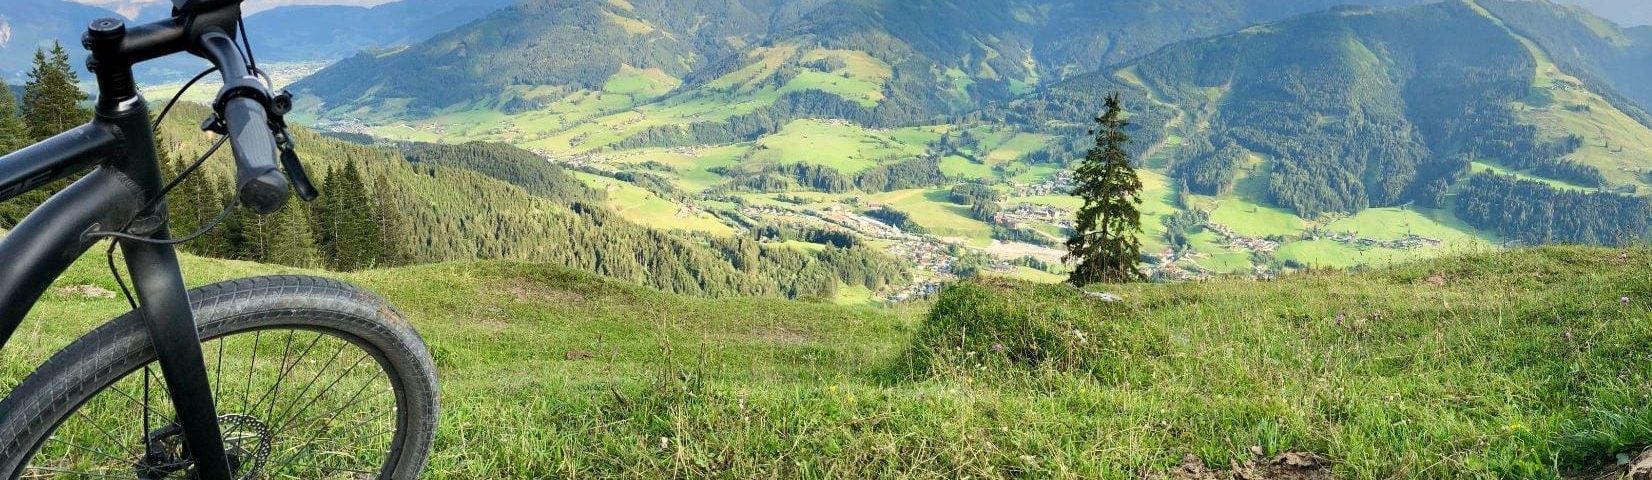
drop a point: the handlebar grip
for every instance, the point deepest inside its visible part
(261, 186)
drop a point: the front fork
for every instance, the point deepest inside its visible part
(163, 299)
(171, 324)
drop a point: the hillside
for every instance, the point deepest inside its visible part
(26, 25)
(305, 34)
(1347, 137)
(1521, 364)
(1353, 109)
(437, 203)
(310, 33)
(887, 56)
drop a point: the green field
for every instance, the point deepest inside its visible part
(1519, 364)
(938, 215)
(648, 208)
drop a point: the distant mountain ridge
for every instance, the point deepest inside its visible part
(282, 34)
(1337, 112)
(329, 32)
(922, 58)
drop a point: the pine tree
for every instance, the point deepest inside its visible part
(1104, 243)
(13, 136)
(193, 205)
(357, 237)
(51, 105)
(395, 243)
(51, 99)
(13, 133)
(281, 238)
(324, 223)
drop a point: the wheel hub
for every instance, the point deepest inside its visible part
(246, 441)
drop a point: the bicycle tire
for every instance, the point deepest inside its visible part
(121, 347)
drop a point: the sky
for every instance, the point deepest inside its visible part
(1625, 12)
(130, 7)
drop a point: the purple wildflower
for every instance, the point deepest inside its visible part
(998, 348)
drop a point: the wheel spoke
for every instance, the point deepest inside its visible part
(318, 427)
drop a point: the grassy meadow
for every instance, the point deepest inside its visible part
(1516, 364)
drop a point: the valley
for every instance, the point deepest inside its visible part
(753, 143)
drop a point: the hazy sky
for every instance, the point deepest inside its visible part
(1626, 12)
(129, 7)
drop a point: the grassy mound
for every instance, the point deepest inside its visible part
(1523, 364)
(993, 325)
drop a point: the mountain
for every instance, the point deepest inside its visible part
(302, 33)
(494, 201)
(1622, 12)
(1347, 136)
(890, 55)
(1603, 54)
(26, 25)
(548, 49)
(1352, 109)
(330, 32)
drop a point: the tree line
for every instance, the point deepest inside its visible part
(1533, 213)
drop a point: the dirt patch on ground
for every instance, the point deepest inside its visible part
(85, 291)
(783, 335)
(529, 291)
(1285, 466)
(1637, 468)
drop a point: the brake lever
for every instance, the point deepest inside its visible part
(296, 175)
(294, 168)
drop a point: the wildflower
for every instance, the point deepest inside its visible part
(1340, 318)
(1623, 301)
(997, 348)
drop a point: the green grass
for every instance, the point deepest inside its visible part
(1522, 364)
(959, 167)
(841, 146)
(932, 210)
(648, 208)
(1395, 223)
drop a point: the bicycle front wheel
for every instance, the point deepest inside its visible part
(312, 378)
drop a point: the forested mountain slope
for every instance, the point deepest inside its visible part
(1609, 56)
(1346, 136)
(544, 49)
(301, 33)
(330, 32)
(1350, 109)
(915, 59)
(26, 25)
(433, 203)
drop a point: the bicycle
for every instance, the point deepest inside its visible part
(97, 409)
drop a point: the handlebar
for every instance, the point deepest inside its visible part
(241, 106)
(263, 188)
(246, 111)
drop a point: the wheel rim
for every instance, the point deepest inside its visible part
(292, 403)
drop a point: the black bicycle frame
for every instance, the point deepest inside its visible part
(120, 144)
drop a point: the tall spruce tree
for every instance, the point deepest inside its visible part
(51, 99)
(13, 133)
(345, 219)
(51, 105)
(394, 242)
(282, 238)
(1104, 244)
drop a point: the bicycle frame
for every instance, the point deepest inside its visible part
(119, 142)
